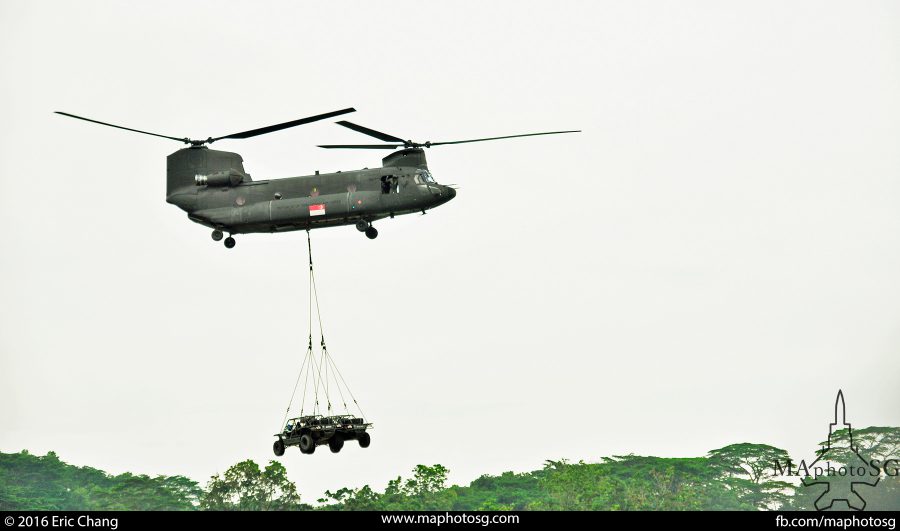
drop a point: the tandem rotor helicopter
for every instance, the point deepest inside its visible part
(215, 191)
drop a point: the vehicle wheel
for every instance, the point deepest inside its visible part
(278, 448)
(229, 242)
(336, 443)
(371, 233)
(362, 225)
(364, 440)
(307, 444)
(217, 235)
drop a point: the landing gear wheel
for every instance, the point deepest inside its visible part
(362, 225)
(217, 235)
(229, 242)
(371, 233)
(278, 448)
(364, 440)
(307, 444)
(336, 443)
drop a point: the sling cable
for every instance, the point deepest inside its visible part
(328, 411)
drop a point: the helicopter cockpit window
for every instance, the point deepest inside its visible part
(425, 176)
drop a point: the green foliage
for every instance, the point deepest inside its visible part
(506, 492)
(736, 477)
(637, 483)
(29, 482)
(425, 491)
(244, 487)
(876, 445)
(617, 483)
(749, 470)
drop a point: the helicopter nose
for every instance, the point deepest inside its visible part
(451, 193)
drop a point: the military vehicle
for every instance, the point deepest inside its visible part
(310, 431)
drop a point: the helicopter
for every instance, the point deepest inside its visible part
(215, 191)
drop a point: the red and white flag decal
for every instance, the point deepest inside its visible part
(317, 210)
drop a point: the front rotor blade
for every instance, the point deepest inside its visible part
(185, 140)
(500, 138)
(285, 125)
(371, 132)
(362, 146)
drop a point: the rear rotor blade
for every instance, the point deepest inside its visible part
(371, 132)
(498, 138)
(185, 140)
(362, 146)
(285, 125)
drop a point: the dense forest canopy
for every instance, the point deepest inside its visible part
(736, 477)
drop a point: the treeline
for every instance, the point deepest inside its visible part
(736, 477)
(29, 482)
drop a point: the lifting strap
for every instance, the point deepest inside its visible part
(323, 371)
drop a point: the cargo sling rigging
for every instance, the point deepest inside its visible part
(318, 371)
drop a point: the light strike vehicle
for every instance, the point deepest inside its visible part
(310, 431)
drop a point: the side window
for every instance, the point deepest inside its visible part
(390, 184)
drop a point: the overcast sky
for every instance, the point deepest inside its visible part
(707, 263)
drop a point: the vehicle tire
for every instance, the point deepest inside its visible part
(229, 242)
(335, 444)
(278, 448)
(217, 235)
(364, 440)
(362, 225)
(307, 444)
(371, 233)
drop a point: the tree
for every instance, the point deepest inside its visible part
(750, 470)
(882, 444)
(245, 487)
(508, 491)
(874, 454)
(574, 487)
(364, 499)
(29, 482)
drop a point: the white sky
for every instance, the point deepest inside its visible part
(707, 263)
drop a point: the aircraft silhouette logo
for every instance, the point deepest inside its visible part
(841, 482)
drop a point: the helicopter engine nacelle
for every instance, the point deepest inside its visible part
(220, 178)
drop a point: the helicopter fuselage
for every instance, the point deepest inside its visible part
(227, 199)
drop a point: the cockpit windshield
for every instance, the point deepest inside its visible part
(425, 176)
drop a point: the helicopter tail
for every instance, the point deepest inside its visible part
(189, 168)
